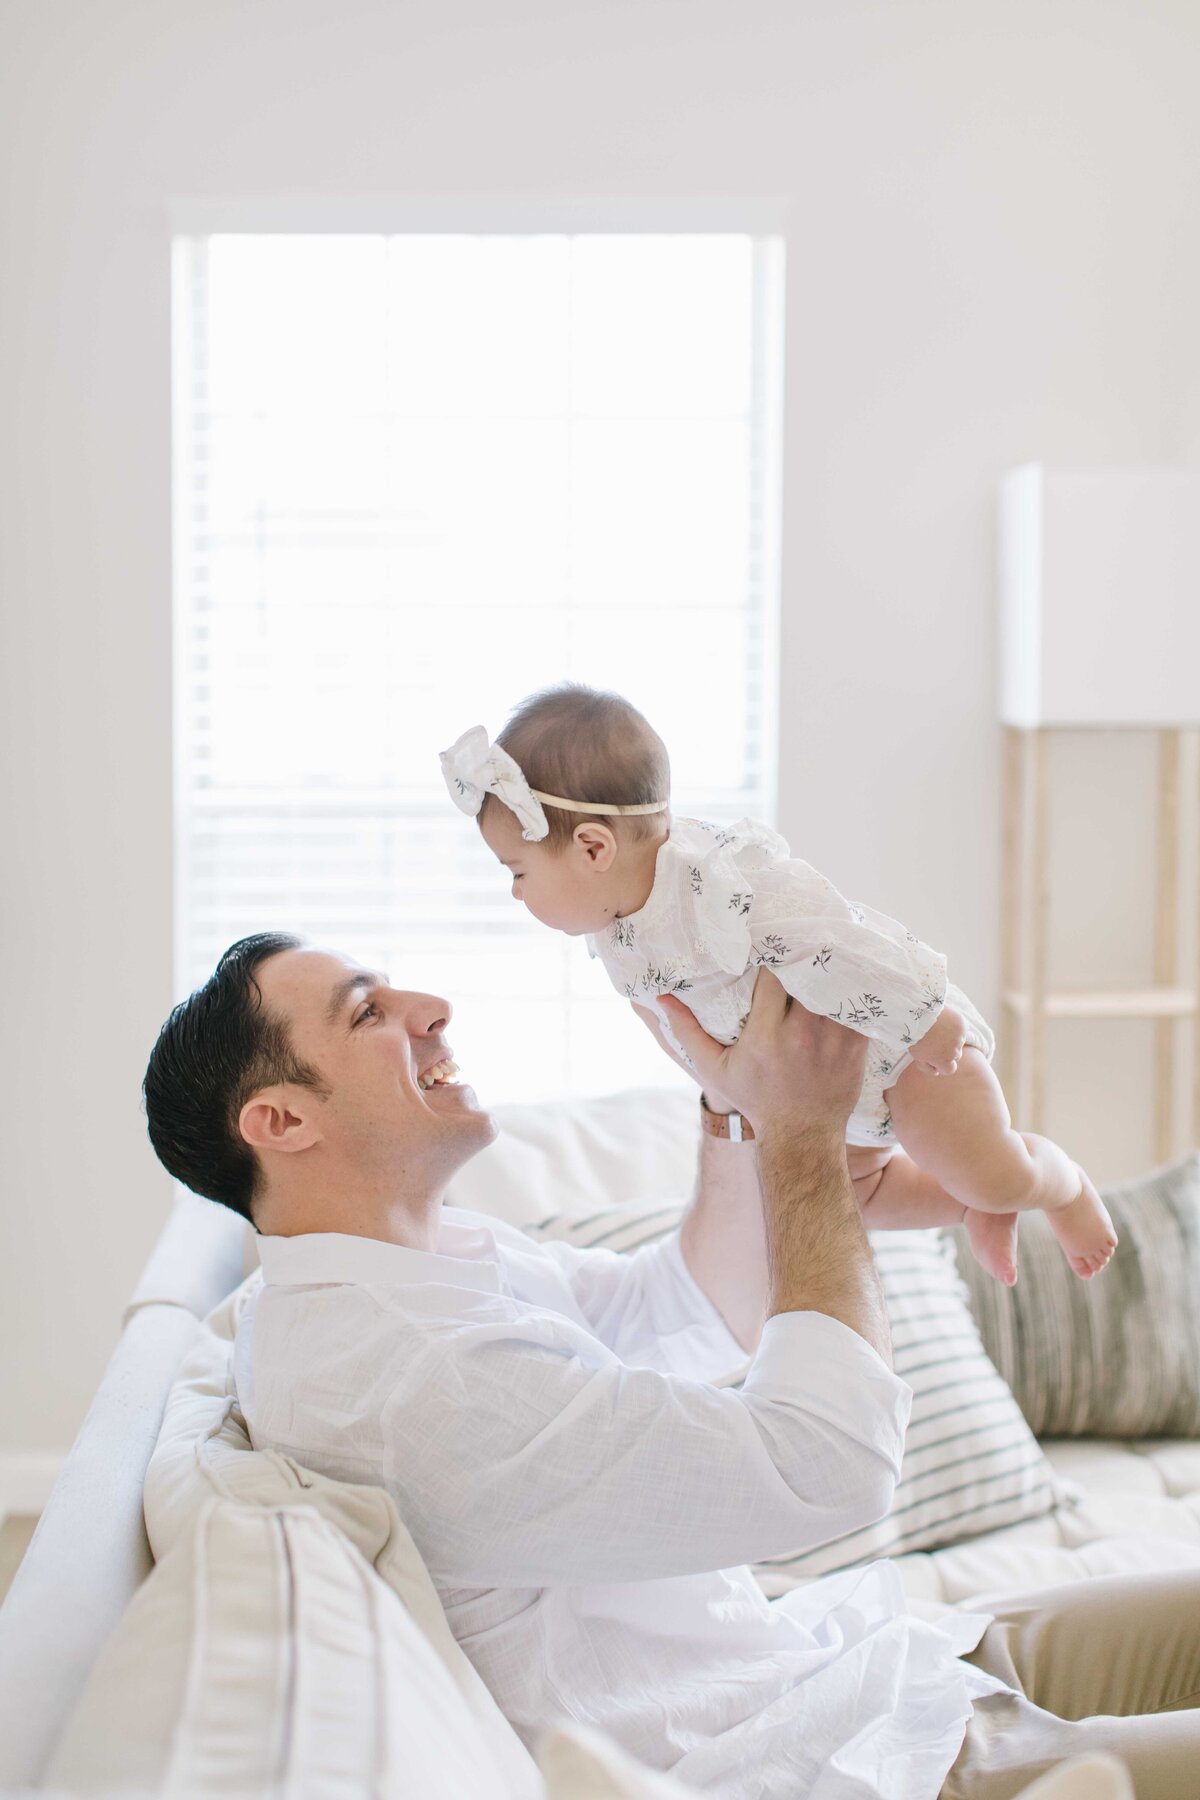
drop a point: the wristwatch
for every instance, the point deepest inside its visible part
(732, 1125)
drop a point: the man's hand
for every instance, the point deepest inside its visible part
(790, 1068)
(653, 1020)
(939, 1052)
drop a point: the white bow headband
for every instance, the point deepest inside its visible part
(473, 767)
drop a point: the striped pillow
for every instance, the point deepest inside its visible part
(1118, 1356)
(971, 1463)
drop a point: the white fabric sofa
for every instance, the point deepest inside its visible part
(1139, 1510)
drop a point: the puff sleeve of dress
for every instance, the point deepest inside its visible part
(847, 961)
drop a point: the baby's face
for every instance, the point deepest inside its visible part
(560, 887)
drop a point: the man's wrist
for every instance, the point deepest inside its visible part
(809, 1143)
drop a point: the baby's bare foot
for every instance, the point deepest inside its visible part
(993, 1239)
(1084, 1230)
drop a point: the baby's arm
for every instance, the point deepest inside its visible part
(939, 1052)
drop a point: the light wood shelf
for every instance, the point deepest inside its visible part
(1118, 1003)
(1029, 1000)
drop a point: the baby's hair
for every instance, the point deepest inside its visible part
(584, 744)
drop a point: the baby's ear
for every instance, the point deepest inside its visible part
(598, 843)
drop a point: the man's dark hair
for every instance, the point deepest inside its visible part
(218, 1047)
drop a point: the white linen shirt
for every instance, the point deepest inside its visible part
(544, 1419)
(729, 900)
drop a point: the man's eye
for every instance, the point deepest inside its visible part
(369, 1011)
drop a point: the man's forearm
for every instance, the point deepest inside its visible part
(723, 1238)
(817, 1255)
(820, 1260)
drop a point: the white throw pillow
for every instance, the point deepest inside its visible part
(265, 1656)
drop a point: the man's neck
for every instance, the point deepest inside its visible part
(393, 1219)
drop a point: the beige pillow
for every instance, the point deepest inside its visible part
(204, 1453)
(1118, 1356)
(264, 1656)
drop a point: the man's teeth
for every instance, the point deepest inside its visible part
(439, 1074)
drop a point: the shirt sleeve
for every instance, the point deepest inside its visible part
(522, 1452)
(649, 1309)
(844, 960)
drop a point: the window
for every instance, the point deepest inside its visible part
(418, 476)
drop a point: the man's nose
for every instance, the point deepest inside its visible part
(427, 1014)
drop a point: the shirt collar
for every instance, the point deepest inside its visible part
(465, 1257)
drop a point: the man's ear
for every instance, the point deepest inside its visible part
(280, 1118)
(598, 843)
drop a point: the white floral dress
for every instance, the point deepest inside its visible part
(728, 900)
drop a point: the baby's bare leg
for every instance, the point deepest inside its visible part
(958, 1128)
(895, 1195)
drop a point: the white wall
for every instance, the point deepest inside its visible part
(992, 256)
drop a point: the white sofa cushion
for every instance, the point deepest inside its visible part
(204, 1453)
(1138, 1513)
(263, 1655)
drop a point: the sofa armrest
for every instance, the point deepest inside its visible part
(89, 1553)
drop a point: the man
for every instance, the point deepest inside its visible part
(548, 1422)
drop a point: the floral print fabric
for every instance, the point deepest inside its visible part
(729, 900)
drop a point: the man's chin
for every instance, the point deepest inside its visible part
(459, 1101)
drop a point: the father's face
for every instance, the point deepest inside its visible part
(375, 1049)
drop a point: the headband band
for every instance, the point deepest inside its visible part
(591, 806)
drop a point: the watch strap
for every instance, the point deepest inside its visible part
(734, 1126)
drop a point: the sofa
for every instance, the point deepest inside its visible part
(157, 1651)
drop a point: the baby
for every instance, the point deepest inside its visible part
(572, 799)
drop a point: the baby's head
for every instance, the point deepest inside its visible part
(580, 744)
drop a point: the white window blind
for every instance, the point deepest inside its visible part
(418, 476)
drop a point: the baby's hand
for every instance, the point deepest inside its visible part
(939, 1051)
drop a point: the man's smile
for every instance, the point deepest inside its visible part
(442, 1073)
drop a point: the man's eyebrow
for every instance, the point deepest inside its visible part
(342, 992)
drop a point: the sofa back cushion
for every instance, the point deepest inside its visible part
(580, 1156)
